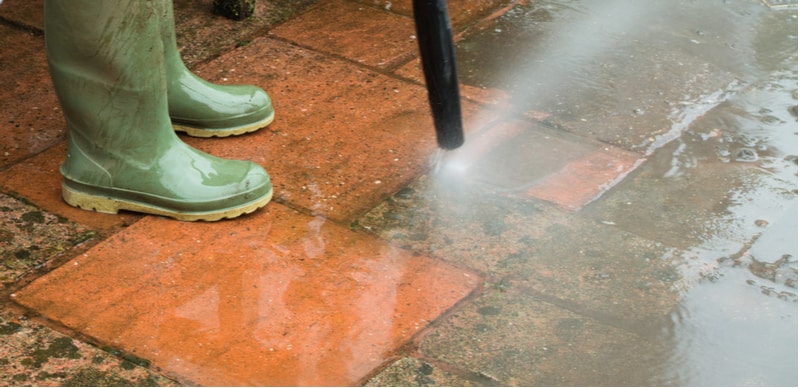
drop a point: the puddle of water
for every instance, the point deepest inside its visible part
(739, 340)
(737, 323)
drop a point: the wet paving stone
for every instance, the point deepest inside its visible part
(687, 203)
(462, 12)
(35, 355)
(557, 292)
(411, 372)
(24, 13)
(31, 118)
(610, 272)
(274, 298)
(203, 35)
(31, 237)
(578, 76)
(372, 32)
(515, 339)
(523, 158)
(366, 35)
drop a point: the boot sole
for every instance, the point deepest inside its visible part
(110, 205)
(224, 132)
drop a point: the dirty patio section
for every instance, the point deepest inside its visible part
(564, 244)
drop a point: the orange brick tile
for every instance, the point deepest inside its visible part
(29, 13)
(462, 12)
(525, 158)
(344, 138)
(362, 34)
(273, 298)
(583, 180)
(31, 120)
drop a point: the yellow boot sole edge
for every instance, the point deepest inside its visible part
(224, 132)
(114, 205)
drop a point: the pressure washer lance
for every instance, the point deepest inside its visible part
(435, 38)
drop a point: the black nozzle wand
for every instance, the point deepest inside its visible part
(435, 38)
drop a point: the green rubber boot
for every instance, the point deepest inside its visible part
(203, 109)
(107, 64)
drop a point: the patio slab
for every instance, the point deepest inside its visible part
(367, 35)
(273, 298)
(31, 239)
(32, 120)
(512, 338)
(462, 12)
(413, 372)
(558, 254)
(26, 13)
(596, 229)
(524, 158)
(577, 74)
(201, 34)
(36, 355)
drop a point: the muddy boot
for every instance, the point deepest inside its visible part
(107, 63)
(203, 109)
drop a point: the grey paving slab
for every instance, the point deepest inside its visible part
(35, 355)
(413, 372)
(690, 210)
(31, 237)
(723, 180)
(583, 262)
(516, 339)
(617, 72)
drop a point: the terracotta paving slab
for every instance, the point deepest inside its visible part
(28, 13)
(662, 202)
(587, 178)
(366, 35)
(201, 34)
(461, 12)
(344, 138)
(524, 158)
(583, 92)
(379, 34)
(31, 119)
(274, 298)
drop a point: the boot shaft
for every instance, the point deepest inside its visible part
(106, 59)
(108, 40)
